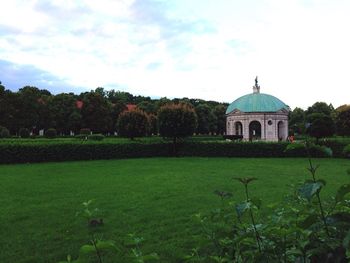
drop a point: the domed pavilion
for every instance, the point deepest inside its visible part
(258, 116)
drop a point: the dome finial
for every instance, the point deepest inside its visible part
(256, 87)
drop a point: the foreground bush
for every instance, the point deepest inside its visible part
(300, 150)
(302, 228)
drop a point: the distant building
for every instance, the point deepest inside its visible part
(258, 116)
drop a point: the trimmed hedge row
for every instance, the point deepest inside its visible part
(27, 153)
(69, 151)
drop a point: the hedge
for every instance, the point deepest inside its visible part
(19, 152)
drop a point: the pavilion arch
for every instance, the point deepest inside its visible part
(254, 130)
(281, 127)
(238, 128)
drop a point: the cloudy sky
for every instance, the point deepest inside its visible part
(207, 49)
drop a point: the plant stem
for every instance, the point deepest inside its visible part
(313, 172)
(257, 236)
(97, 252)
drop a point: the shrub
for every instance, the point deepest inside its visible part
(299, 150)
(51, 133)
(24, 133)
(4, 132)
(132, 124)
(96, 137)
(85, 131)
(346, 151)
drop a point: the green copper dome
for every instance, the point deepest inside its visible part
(257, 102)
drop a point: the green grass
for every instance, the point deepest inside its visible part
(154, 198)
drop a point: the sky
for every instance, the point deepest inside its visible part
(206, 49)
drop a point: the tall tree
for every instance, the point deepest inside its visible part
(206, 119)
(132, 124)
(96, 112)
(219, 111)
(320, 125)
(297, 121)
(176, 121)
(343, 120)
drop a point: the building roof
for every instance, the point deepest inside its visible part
(257, 102)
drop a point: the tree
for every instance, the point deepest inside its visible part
(220, 114)
(343, 120)
(61, 108)
(152, 124)
(96, 112)
(320, 125)
(206, 119)
(297, 121)
(176, 121)
(321, 107)
(132, 124)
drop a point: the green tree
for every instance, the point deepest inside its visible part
(96, 112)
(220, 114)
(321, 107)
(206, 119)
(320, 125)
(343, 120)
(152, 124)
(297, 121)
(61, 108)
(176, 121)
(132, 124)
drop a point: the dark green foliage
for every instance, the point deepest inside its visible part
(176, 120)
(51, 133)
(297, 121)
(320, 107)
(300, 150)
(88, 149)
(303, 228)
(321, 125)
(4, 132)
(24, 133)
(232, 149)
(96, 137)
(132, 124)
(343, 120)
(346, 151)
(85, 131)
(152, 124)
(337, 145)
(207, 120)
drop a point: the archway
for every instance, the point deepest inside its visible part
(238, 128)
(281, 131)
(254, 130)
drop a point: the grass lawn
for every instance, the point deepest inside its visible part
(154, 198)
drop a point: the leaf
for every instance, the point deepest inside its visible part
(308, 190)
(342, 191)
(256, 201)
(309, 221)
(107, 245)
(346, 241)
(151, 257)
(87, 249)
(245, 180)
(242, 207)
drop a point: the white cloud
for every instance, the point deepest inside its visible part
(204, 49)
